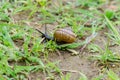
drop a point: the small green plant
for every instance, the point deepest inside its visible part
(51, 45)
(94, 48)
(66, 77)
(115, 36)
(98, 77)
(112, 75)
(106, 56)
(4, 13)
(109, 14)
(83, 76)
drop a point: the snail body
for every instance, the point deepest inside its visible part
(61, 35)
(64, 35)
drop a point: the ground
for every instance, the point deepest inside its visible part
(51, 63)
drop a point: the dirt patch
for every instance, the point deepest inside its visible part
(76, 63)
(71, 64)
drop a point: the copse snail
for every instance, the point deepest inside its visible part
(61, 35)
(64, 35)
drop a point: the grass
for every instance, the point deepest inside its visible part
(107, 56)
(22, 53)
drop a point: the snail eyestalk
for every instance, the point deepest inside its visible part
(45, 35)
(45, 29)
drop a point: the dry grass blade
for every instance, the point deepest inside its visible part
(115, 34)
(87, 41)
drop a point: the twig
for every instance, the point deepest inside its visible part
(72, 71)
(88, 40)
(65, 70)
(27, 76)
(59, 53)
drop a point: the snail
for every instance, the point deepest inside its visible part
(61, 36)
(64, 35)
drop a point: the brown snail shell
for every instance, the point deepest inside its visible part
(64, 35)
